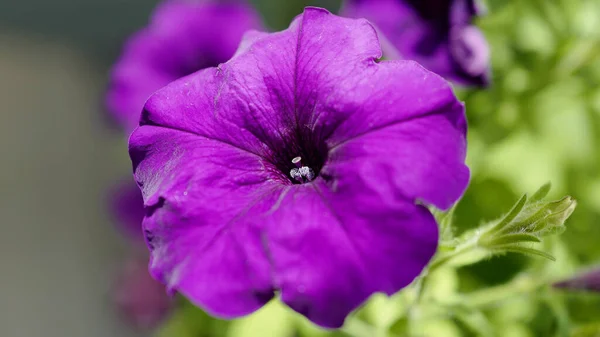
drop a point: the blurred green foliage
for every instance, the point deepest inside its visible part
(538, 122)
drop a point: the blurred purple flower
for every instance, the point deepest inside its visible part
(183, 36)
(127, 206)
(232, 213)
(589, 280)
(141, 300)
(439, 34)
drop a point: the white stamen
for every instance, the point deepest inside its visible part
(301, 173)
(307, 173)
(295, 174)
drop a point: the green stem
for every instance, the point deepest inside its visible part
(460, 251)
(492, 295)
(441, 259)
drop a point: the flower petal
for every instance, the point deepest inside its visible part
(335, 245)
(203, 226)
(423, 160)
(416, 127)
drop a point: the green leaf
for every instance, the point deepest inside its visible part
(514, 212)
(400, 327)
(524, 250)
(540, 193)
(530, 223)
(510, 238)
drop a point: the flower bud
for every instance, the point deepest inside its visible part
(528, 221)
(589, 281)
(560, 211)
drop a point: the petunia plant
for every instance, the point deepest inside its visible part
(300, 169)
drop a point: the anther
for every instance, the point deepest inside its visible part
(301, 173)
(306, 172)
(295, 174)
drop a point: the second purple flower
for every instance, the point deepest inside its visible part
(439, 34)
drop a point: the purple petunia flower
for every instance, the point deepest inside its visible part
(300, 166)
(439, 34)
(183, 36)
(140, 300)
(127, 206)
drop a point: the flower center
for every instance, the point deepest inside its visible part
(299, 157)
(301, 174)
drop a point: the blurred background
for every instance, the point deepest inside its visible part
(60, 154)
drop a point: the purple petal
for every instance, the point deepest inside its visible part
(436, 33)
(205, 200)
(333, 244)
(428, 166)
(213, 157)
(182, 37)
